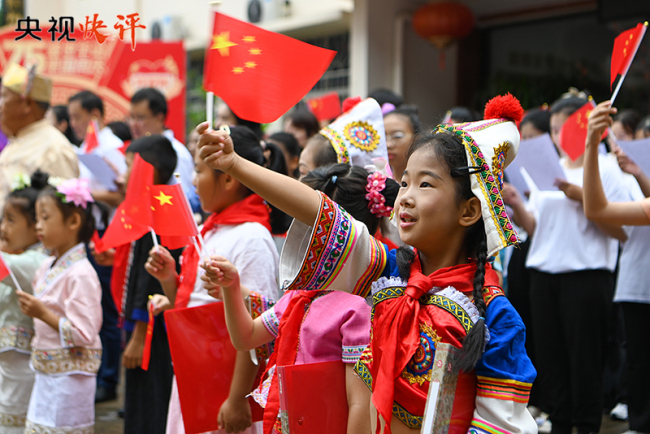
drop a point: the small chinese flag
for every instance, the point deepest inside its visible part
(91, 141)
(326, 107)
(573, 135)
(146, 352)
(260, 74)
(171, 213)
(625, 47)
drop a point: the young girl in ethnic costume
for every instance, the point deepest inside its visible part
(632, 286)
(452, 213)
(66, 306)
(238, 228)
(313, 326)
(18, 233)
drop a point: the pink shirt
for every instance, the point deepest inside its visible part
(69, 288)
(336, 326)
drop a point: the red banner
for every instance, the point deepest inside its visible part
(111, 70)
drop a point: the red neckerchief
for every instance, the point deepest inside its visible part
(396, 335)
(252, 209)
(286, 348)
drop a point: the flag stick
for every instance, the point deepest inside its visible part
(153, 236)
(620, 82)
(209, 107)
(13, 277)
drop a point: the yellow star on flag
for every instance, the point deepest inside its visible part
(238, 69)
(255, 51)
(222, 43)
(250, 65)
(249, 39)
(164, 199)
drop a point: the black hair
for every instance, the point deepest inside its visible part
(450, 151)
(567, 106)
(25, 198)
(463, 114)
(629, 119)
(61, 114)
(155, 99)
(89, 101)
(121, 130)
(69, 208)
(538, 118)
(383, 96)
(301, 117)
(411, 113)
(248, 146)
(348, 190)
(644, 125)
(290, 144)
(324, 154)
(158, 151)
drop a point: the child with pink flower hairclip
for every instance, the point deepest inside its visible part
(67, 312)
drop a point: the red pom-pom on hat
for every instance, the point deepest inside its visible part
(504, 106)
(350, 102)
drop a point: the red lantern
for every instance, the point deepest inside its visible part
(442, 23)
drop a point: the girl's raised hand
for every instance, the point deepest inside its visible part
(626, 164)
(161, 264)
(510, 195)
(599, 120)
(216, 148)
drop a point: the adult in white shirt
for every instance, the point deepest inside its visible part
(148, 115)
(83, 107)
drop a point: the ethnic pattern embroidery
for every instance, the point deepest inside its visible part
(489, 185)
(362, 369)
(362, 135)
(410, 420)
(31, 427)
(352, 353)
(74, 255)
(499, 162)
(490, 293)
(480, 426)
(16, 337)
(260, 304)
(271, 322)
(331, 243)
(418, 369)
(342, 154)
(65, 331)
(378, 258)
(483, 126)
(65, 360)
(506, 390)
(13, 420)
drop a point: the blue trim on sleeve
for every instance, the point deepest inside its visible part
(140, 315)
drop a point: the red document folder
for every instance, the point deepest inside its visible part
(204, 361)
(313, 398)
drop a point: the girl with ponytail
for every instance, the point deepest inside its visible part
(440, 290)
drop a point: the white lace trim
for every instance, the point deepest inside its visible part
(461, 299)
(388, 282)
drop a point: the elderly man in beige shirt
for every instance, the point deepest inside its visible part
(33, 142)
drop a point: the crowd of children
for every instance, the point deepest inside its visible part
(375, 241)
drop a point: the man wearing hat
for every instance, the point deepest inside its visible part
(34, 143)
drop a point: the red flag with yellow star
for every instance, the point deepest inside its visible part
(171, 213)
(573, 135)
(625, 47)
(260, 74)
(326, 107)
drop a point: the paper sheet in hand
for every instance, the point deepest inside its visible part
(639, 152)
(542, 162)
(514, 177)
(100, 170)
